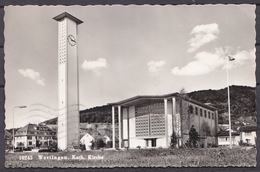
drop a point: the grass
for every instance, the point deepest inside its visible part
(211, 157)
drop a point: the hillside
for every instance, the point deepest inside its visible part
(242, 100)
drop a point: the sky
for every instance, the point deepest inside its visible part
(125, 51)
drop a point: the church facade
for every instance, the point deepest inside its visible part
(149, 121)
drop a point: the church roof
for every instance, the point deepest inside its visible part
(144, 98)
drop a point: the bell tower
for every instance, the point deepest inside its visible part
(68, 89)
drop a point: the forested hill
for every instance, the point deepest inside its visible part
(242, 100)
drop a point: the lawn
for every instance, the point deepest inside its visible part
(211, 157)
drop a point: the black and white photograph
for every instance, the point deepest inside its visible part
(130, 86)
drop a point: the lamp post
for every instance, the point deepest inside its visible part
(229, 116)
(13, 123)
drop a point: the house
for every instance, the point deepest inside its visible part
(33, 135)
(224, 127)
(149, 121)
(8, 139)
(248, 134)
(45, 135)
(224, 138)
(86, 140)
(25, 137)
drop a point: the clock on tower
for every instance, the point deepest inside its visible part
(68, 118)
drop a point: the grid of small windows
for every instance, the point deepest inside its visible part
(62, 42)
(157, 108)
(142, 110)
(142, 125)
(150, 119)
(148, 108)
(157, 124)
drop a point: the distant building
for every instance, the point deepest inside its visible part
(224, 127)
(149, 121)
(86, 140)
(8, 139)
(248, 134)
(88, 136)
(33, 135)
(224, 138)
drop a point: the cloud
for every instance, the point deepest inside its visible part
(202, 34)
(94, 65)
(206, 62)
(34, 76)
(155, 66)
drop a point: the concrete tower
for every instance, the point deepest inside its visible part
(68, 119)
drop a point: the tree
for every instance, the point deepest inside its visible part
(173, 140)
(205, 129)
(100, 143)
(193, 137)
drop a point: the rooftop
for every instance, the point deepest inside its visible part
(248, 128)
(144, 98)
(64, 15)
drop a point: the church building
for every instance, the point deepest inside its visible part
(149, 121)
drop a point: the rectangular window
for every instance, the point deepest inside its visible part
(205, 113)
(191, 109)
(200, 112)
(248, 133)
(30, 142)
(29, 137)
(196, 110)
(209, 115)
(213, 116)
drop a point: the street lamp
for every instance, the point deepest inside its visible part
(229, 116)
(13, 123)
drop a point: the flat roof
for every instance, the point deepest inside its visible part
(248, 128)
(144, 98)
(65, 14)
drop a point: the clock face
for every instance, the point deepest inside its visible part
(72, 40)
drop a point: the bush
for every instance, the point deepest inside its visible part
(82, 147)
(98, 144)
(173, 140)
(193, 137)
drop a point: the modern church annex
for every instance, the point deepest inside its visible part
(149, 121)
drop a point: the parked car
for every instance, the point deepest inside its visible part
(47, 150)
(18, 150)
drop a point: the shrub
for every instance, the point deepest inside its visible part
(193, 137)
(173, 140)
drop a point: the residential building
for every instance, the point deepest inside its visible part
(8, 139)
(45, 135)
(86, 140)
(224, 138)
(33, 135)
(248, 134)
(149, 121)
